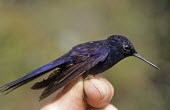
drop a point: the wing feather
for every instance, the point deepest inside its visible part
(71, 73)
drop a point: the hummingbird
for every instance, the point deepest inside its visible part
(92, 57)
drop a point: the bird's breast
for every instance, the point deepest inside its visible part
(110, 61)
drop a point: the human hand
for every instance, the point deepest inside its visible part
(98, 90)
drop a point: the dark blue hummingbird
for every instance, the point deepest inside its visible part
(88, 58)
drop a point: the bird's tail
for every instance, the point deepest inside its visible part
(7, 88)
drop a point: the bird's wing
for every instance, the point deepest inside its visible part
(73, 72)
(46, 82)
(34, 74)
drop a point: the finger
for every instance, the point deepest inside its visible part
(98, 90)
(108, 107)
(70, 98)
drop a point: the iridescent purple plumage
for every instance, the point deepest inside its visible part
(89, 58)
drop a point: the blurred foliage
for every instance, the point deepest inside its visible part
(35, 32)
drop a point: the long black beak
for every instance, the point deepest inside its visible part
(140, 57)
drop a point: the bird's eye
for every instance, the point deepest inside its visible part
(126, 48)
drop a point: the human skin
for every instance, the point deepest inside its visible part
(98, 90)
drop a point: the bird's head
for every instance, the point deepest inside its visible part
(126, 48)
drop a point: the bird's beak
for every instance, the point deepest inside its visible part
(140, 57)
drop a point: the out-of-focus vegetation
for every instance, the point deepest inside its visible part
(35, 32)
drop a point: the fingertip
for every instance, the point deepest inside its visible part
(108, 107)
(99, 91)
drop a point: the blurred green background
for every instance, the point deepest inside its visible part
(35, 32)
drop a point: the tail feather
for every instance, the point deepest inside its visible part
(32, 75)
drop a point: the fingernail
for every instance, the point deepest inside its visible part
(100, 86)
